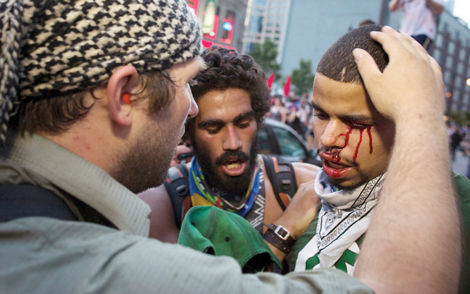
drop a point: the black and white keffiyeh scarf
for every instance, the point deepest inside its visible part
(56, 46)
(344, 217)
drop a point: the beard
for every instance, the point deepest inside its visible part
(145, 164)
(237, 185)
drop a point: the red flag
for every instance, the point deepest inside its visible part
(287, 87)
(271, 80)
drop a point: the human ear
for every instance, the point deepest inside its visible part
(122, 84)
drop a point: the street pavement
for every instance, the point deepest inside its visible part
(461, 163)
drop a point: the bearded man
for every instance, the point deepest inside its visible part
(226, 171)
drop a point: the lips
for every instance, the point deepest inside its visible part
(333, 166)
(234, 168)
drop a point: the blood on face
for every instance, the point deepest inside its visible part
(346, 143)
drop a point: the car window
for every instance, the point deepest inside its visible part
(263, 142)
(289, 144)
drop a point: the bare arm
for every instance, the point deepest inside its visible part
(394, 5)
(162, 221)
(435, 7)
(416, 220)
(283, 115)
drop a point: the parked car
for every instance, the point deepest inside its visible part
(280, 140)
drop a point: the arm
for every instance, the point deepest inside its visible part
(435, 7)
(304, 205)
(162, 220)
(282, 110)
(394, 5)
(416, 219)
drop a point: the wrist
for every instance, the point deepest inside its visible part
(279, 237)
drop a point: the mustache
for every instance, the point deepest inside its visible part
(337, 151)
(231, 156)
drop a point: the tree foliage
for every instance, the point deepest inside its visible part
(302, 78)
(265, 55)
(460, 117)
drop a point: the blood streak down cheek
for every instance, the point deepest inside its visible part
(360, 141)
(370, 139)
(346, 136)
(346, 142)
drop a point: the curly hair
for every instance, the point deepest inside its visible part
(229, 69)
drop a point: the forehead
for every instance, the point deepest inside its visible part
(336, 98)
(223, 105)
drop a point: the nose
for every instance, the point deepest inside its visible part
(232, 140)
(193, 108)
(335, 135)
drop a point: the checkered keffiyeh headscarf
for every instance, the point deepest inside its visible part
(54, 46)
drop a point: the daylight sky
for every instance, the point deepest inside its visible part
(462, 10)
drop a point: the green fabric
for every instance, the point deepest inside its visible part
(462, 185)
(222, 233)
(303, 240)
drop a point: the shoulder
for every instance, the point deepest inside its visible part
(155, 196)
(162, 218)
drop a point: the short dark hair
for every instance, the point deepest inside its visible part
(338, 61)
(56, 113)
(229, 69)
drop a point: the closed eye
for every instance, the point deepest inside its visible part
(321, 115)
(359, 126)
(213, 130)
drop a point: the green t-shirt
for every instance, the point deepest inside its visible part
(349, 257)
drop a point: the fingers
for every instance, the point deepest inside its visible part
(366, 64)
(394, 42)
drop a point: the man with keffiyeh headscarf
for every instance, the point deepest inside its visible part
(93, 96)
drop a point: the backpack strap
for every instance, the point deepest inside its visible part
(177, 187)
(282, 176)
(24, 200)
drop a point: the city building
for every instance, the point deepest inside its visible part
(313, 26)
(223, 21)
(266, 19)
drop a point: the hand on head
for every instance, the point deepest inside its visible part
(412, 82)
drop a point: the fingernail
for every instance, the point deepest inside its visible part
(358, 54)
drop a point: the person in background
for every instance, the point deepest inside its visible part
(278, 111)
(366, 22)
(419, 18)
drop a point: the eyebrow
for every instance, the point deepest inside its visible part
(218, 122)
(346, 117)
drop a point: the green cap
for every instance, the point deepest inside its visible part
(215, 231)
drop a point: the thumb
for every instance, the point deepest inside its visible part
(366, 65)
